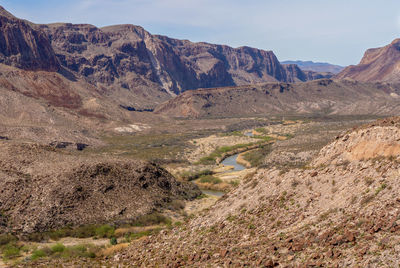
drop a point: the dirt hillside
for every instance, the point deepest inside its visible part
(341, 211)
(43, 188)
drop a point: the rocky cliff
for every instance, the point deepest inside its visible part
(129, 56)
(24, 45)
(378, 64)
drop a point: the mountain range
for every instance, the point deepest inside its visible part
(132, 66)
(92, 73)
(321, 67)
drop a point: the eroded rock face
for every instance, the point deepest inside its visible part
(24, 45)
(378, 64)
(128, 56)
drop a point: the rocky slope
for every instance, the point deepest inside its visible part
(321, 67)
(343, 210)
(378, 64)
(43, 188)
(315, 97)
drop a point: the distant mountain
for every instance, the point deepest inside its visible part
(128, 56)
(378, 64)
(320, 67)
(320, 97)
(133, 67)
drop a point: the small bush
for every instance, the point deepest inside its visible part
(113, 241)
(381, 188)
(37, 254)
(37, 237)
(234, 183)
(190, 176)
(176, 205)
(11, 251)
(210, 179)
(105, 231)
(57, 248)
(368, 181)
(138, 235)
(151, 219)
(84, 231)
(6, 239)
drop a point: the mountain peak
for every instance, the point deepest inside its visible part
(377, 64)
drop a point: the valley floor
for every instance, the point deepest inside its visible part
(193, 155)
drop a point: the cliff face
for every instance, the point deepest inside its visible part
(24, 46)
(378, 64)
(129, 57)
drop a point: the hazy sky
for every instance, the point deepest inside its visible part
(335, 31)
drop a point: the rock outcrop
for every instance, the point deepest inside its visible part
(24, 45)
(378, 64)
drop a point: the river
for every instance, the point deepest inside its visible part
(232, 161)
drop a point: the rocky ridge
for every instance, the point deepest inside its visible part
(378, 64)
(321, 97)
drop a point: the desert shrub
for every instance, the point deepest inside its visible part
(210, 179)
(84, 231)
(151, 219)
(37, 254)
(257, 157)
(366, 199)
(60, 233)
(368, 181)
(381, 188)
(105, 231)
(113, 241)
(11, 251)
(6, 239)
(190, 176)
(176, 205)
(295, 183)
(234, 183)
(57, 248)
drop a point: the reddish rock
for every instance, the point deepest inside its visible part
(349, 236)
(223, 253)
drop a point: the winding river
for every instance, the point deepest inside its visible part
(232, 161)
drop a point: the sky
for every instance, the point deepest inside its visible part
(334, 31)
